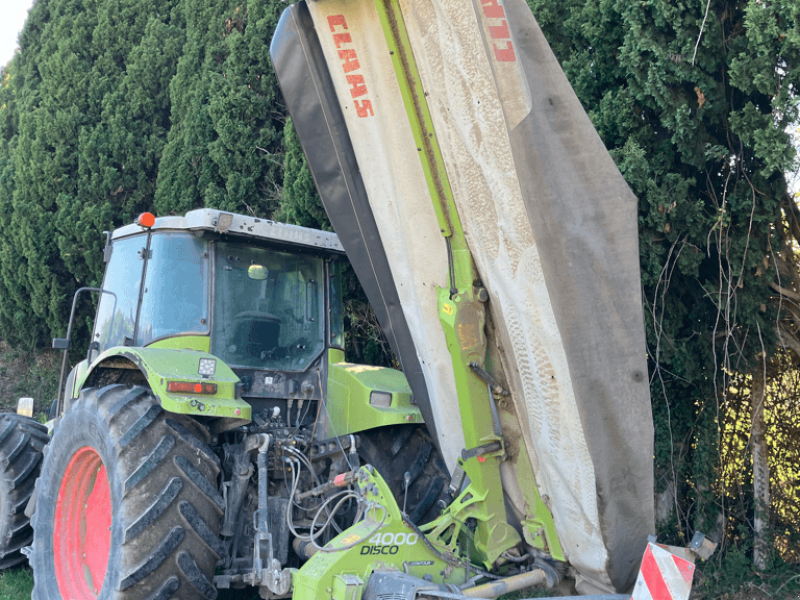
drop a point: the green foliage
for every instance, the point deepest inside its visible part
(694, 108)
(300, 203)
(16, 584)
(115, 107)
(28, 374)
(224, 148)
(731, 576)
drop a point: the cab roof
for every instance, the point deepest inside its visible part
(207, 219)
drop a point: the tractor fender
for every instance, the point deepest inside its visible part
(159, 366)
(351, 404)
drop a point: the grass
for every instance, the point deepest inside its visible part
(27, 374)
(16, 584)
(732, 577)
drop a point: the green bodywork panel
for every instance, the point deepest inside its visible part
(80, 372)
(348, 397)
(161, 365)
(201, 343)
(382, 541)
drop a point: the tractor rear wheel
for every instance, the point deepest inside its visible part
(127, 506)
(21, 443)
(400, 449)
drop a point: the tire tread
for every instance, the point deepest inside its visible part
(150, 463)
(162, 503)
(200, 481)
(196, 577)
(169, 543)
(21, 443)
(144, 446)
(400, 449)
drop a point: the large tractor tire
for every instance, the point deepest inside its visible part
(127, 506)
(400, 449)
(21, 443)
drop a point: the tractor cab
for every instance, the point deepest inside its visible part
(262, 297)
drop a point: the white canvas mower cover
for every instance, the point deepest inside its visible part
(550, 222)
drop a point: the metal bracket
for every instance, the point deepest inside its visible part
(702, 546)
(108, 247)
(481, 450)
(497, 389)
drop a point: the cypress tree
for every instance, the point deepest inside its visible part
(299, 202)
(693, 99)
(224, 147)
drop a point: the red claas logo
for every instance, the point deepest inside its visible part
(504, 48)
(351, 66)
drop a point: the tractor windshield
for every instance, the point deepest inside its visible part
(268, 308)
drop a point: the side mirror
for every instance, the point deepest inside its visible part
(61, 344)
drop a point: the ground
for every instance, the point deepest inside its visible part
(28, 374)
(17, 584)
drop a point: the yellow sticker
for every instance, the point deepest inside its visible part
(448, 309)
(466, 331)
(351, 538)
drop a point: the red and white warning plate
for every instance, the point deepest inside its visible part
(664, 575)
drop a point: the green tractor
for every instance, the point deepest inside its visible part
(200, 443)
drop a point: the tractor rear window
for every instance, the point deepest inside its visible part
(267, 308)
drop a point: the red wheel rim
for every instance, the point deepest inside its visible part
(82, 528)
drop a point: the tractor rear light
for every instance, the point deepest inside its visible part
(380, 399)
(191, 387)
(146, 220)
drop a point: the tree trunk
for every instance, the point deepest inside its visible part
(758, 445)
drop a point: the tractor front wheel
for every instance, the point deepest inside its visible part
(127, 504)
